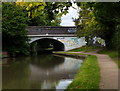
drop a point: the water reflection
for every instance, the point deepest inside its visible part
(63, 84)
(46, 61)
(39, 72)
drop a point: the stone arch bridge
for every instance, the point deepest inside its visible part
(62, 38)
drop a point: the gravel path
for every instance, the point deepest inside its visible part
(108, 70)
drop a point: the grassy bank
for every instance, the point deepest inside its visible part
(113, 54)
(69, 54)
(88, 76)
(85, 48)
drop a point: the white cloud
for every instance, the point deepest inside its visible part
(67, 19)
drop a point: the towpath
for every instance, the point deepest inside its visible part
(108, 70)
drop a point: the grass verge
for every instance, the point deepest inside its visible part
(73, 55)
(85, 48)
(88, 76)
(64, 52)
(113, 54)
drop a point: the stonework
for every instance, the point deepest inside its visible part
(65, 35)
(69, 42)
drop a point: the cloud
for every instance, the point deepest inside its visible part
(67, 19)
(67, 23)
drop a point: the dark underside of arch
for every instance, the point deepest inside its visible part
(46, 45)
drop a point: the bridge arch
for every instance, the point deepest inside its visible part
(47, 44)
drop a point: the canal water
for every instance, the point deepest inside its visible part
(39, 72)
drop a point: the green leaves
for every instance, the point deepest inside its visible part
(13, 28)
(45, 13)
(33, 8)
(99, 19)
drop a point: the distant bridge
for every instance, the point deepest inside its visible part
(62, 38)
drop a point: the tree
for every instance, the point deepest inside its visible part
(102, 20)
(32, 8)
(86, 23)
(14, 38)
(45, 13)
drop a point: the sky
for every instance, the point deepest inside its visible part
(67, 19)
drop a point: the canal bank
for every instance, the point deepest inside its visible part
(88, 76)
(83, 78)
(73, 55)
(108, 70)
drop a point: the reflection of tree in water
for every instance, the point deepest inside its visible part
(15, 75)
(46, 61)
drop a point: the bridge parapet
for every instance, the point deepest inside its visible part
(43, 30)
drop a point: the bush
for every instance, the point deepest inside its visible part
(14, 35)
(116, 42)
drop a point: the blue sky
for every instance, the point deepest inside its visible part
(67, 19)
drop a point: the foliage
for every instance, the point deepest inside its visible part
(32, 8)
(88, 76)
(31, 13)
(84, 48)
(45, 13)
(116, 41)
(43, 20)
(14, 37)
(99, 19)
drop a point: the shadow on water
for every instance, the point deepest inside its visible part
(46, 61)
(39, 72)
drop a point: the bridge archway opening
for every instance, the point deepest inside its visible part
(47, 45)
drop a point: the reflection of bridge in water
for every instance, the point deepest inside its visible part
(64, 70)
(63, 37)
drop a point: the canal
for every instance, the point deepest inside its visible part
(39, 72)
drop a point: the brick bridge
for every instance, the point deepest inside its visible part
(62, 38)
